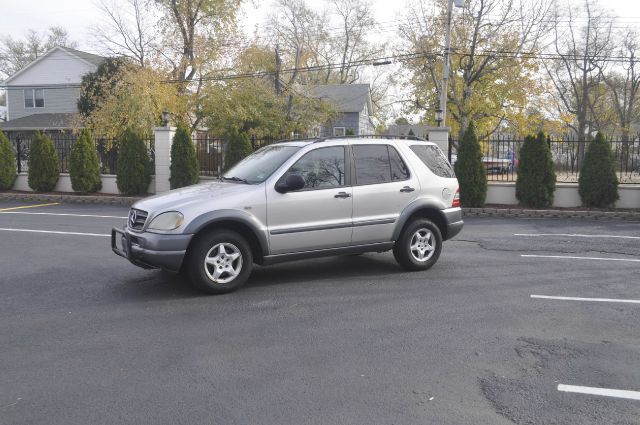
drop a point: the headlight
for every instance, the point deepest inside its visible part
(166, 221)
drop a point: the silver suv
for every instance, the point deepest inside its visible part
(294, 200)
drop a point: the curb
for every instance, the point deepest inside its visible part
(529, 213)
(125, 201)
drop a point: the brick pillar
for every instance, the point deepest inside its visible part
(163, 140)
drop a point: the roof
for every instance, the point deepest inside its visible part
(60, 121)
(89, 58)
(348, 97)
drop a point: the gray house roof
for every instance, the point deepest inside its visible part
(348, 97)
(61, 121)
(89, 57)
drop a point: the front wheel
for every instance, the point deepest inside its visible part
(219, 262)
(419, 245)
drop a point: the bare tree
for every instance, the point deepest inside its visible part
(623, 81)
(357, 22)
(129, 31)
(582, 43)
(15, 54)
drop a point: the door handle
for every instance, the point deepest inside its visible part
(342, 195)
(407, 189)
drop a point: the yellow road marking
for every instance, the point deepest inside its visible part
(29, 206)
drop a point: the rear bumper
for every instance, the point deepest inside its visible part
(453, 217)
(150, 250)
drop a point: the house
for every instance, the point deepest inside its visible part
(353, 101)
(44, 94)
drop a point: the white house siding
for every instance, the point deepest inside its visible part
(59, 69)
(365, 125)
(56, 100)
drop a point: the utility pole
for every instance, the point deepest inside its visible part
(278, 83)
(441, 114)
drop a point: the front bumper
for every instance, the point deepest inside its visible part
(150, 250)
(453, 217)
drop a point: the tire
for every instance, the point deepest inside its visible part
(222, 272)
(410, 259)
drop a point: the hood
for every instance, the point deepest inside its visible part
(181, 199)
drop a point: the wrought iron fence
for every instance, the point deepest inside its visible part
(107, 150)
(501, 156)
(211, 152)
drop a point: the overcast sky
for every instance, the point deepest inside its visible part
(78, 16)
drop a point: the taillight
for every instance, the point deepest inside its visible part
(456, 199)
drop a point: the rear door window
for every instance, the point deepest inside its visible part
(377, 164)
(433, 158)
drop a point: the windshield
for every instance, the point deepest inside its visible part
(258, 166)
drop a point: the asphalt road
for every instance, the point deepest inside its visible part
(87, 338)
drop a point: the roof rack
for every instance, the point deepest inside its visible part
(369, 136)
(361, 136)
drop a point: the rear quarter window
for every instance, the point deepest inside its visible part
(433, 158)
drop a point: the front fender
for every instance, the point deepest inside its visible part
(242, 217)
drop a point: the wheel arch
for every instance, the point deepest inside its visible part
(429, 209)
(241, 223)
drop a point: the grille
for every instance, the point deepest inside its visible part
(137, 219)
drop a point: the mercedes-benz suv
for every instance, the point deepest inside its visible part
(294, 200)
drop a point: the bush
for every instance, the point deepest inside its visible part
(84, 167)
(470, 170)
(43, 164)
(536, 180)
(598, 182)
(184, 163)
(237, 149)
(7, 163)
(134, 167)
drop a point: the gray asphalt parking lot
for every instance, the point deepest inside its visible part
(88, 338)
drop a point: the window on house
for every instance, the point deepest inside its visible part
(339, 131)
(34, 98)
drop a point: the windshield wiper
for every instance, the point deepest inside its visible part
(235, 179)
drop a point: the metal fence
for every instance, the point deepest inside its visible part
(211, 152)
(501, 156)
(107, 150)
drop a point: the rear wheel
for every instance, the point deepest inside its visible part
(419, 245)
(219, 262)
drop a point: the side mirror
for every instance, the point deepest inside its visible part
(291, 182)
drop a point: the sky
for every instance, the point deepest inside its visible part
(79, 17)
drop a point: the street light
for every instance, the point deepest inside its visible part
(439, 117)
(447, 51)
(166, 116)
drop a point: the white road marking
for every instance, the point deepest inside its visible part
(567, 257)
(571, 235)
(54, 232)
(607, 392)
(61, 214)
(602, 300)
